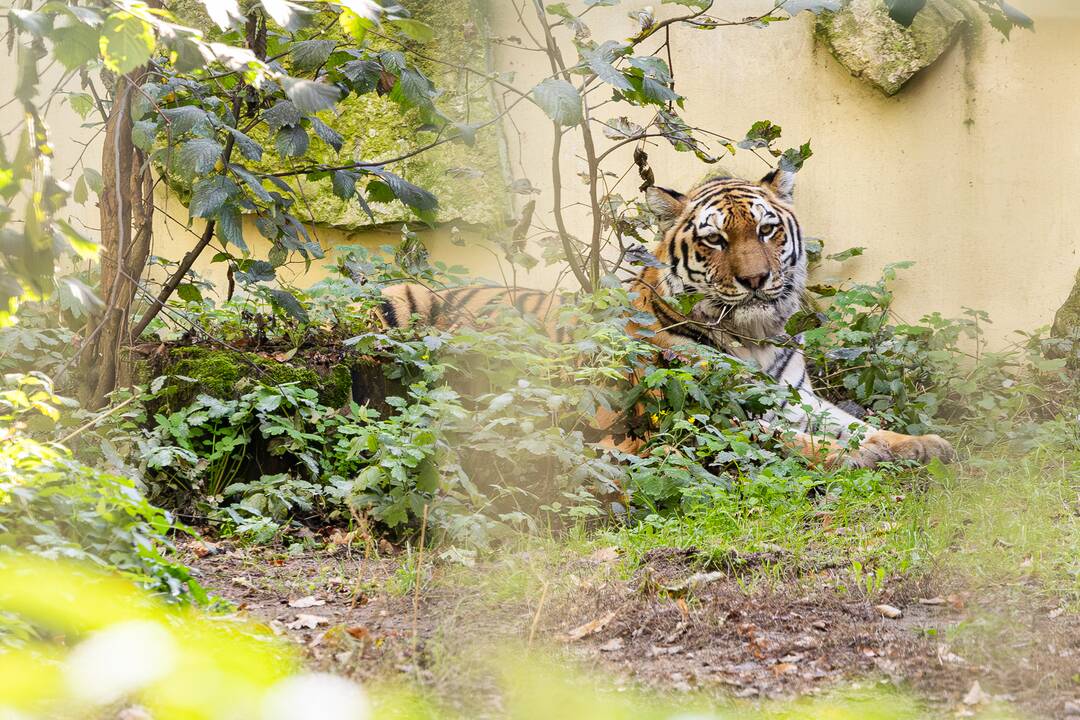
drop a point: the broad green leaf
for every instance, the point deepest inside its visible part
(792, 160)
(143, 133)
(310, 54)
(560, 100)
(344, 183)
(189, 293)
(413, 29)
(76, 45)
(126, 42)
(413, 89)
(83, 247)
(761, 134)
(251, 181)
(310, 96)
(282, 114)
(198, 157)
(606, 71)
(412, 195)
(363, 74)
(179, 120)
(288, 15)
(209, 194)
(327, 134)
(82, 103)
(230, 227)
(287, 302)
(247, 147)
(291, 141)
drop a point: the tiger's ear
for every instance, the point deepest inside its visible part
(782, 183)
(666, 204)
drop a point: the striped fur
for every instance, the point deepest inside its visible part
(739, 245)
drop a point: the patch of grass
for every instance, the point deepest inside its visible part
(774, 529)
(1008, 518)
(1005, 515)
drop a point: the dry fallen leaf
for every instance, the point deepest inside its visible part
(976, 695)
(936, 600)
(307, 621)
(306, 602)
(201, 548)
(357, 631)
(889, 611)
(589, 628)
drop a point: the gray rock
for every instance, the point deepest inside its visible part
(872, 46)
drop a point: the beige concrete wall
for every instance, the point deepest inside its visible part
(972, 171)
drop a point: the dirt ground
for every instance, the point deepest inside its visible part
(675, 624)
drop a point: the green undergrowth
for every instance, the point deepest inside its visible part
(1001, 517)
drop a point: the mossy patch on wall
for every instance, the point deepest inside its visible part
(467, 179)
(865, 39)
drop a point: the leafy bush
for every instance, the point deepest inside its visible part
(54, 506)
(932, 376)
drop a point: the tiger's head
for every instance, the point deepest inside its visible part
(738, 244)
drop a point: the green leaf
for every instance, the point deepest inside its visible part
(126, 42)
(83, 247)
(198, 157)
(327, 134)
(344, 183)
(179, 120)
(209, 194)
(82, 103)
(255, 271)
(310, 54)
(363, 74)
(291, 141)
(606, 71)
(413, 29)
(792, 160)
(310, 96)
(412, 195)
(287, 302)
(230, 227)
(560, 100)
(413, 89)
(251, 181)
(760, 135)
(247, 147)
(282, 114)
(76, 45)
(189, 293)
(287, 14)
(143, 133)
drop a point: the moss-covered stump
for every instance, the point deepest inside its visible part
(222, 373)
(865, 39)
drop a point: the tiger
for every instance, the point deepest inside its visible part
(738, 245)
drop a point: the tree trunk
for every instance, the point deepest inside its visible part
(126, 209)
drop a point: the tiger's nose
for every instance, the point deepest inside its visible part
(754, 282)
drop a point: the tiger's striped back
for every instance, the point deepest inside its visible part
(470, 304)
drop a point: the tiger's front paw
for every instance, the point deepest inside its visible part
(920, 448)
